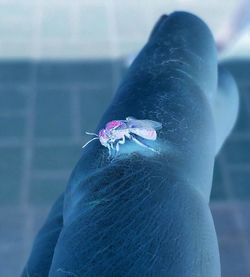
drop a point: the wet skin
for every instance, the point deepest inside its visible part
(144, 213)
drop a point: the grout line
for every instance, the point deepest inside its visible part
(31, 116)
(24, 88)
(11, 113)
(42, 142)
(29, 145)
(27, 163)
(12, 142)
(63, 86)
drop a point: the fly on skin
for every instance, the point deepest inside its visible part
(116, 131)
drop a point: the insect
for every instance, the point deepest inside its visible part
(115, 133)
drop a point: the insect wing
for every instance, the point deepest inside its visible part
(136, 123)
(153, 124)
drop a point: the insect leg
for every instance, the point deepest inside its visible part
(128, 136)
(113, 148)
(121, 141)
(142, 144)
(117, 147)
(109, 148)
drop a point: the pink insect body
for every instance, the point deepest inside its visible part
(116, 132)
(103, 137)
(113, 124)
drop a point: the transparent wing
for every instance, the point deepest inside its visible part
(153, 124)
(136, 123)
